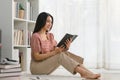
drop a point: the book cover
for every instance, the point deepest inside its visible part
(66, 36)
(7, 66)
(17, 69)
(12, 74)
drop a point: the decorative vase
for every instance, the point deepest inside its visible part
(21, 14)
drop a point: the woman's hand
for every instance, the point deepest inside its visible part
(63, 48)
(59, 49)
(67, 43)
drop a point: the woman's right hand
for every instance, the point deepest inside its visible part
(59, 49)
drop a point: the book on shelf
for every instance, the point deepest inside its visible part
(66, 36)
(18, 37)
(16, 69)
(7, 66)
(11, 74)
(29, 36)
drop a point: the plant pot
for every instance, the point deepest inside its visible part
(21, 14)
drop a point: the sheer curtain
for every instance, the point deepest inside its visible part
(96, 25)
(113, 29)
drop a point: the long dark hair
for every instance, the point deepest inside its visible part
(41, 21)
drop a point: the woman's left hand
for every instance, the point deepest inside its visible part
(67, 43)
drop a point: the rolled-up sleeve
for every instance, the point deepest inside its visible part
(35, 44)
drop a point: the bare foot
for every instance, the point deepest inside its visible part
(85, 73)
(91, 76)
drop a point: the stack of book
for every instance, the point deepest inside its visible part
(9, 70)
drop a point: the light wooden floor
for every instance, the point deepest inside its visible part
(105, 75)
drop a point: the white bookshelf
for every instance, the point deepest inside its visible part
(9, 23)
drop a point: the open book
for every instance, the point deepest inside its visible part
(63, 40)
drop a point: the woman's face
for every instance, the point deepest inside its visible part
(48, 24)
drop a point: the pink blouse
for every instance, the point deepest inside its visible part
(42, 46)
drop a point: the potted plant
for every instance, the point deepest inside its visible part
(21, 11)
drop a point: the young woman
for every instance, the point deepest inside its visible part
(46, 57)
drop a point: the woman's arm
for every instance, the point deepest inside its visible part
(37, 56)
